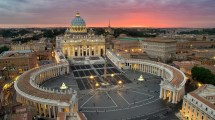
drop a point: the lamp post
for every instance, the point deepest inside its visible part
(112, 75)
(97, 85)
(92, 79)
(120, 83)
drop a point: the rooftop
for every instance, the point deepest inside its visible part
(15, 53)
(203, 92)
(130, 38)
(160, 40)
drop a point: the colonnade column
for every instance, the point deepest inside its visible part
(39, 109)
(176, 97)
(54, 112)
(161, 92)
(49, 111)
(173, 100)
(164, 94)
(170, 96)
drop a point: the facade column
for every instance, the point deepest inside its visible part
(79, 51)
(73, 51)
(69, 54)
(99, 51)
(90, 50)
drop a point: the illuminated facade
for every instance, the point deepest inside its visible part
(77, 42)
(199, 104)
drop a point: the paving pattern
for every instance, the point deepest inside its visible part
(83, 73)
(134, 101)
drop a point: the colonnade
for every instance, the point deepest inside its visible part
(42, 75)
(42, 108)
(171, 95)
(46, 106)
(168, 90)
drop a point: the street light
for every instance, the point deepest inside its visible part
(119, 82)
(91, 77)
(112, 75)
(199, 84)
(97, 84)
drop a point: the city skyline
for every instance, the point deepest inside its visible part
(130, 13)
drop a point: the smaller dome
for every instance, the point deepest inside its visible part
(78, 21)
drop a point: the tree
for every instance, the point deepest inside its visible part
(4, 48)
(203, 75)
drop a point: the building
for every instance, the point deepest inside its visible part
(32, 45)
(160, 49)
(14, 62)
(199, 104)
(23, 113)
(194, 44)
(128, 44)
(77, 42)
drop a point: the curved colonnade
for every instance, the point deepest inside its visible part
(48, 102)
(173, 83)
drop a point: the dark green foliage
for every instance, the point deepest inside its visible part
(13, 33)
(198, 32)
(99, 31)
(4, 48)
(136, 32)
(203, 75)
(51, 33)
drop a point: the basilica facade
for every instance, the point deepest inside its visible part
(78, 42)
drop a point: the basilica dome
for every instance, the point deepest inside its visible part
(78, 25)
(78, 21)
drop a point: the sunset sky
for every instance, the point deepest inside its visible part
(122, 13)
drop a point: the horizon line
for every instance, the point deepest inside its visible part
(66, 26)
